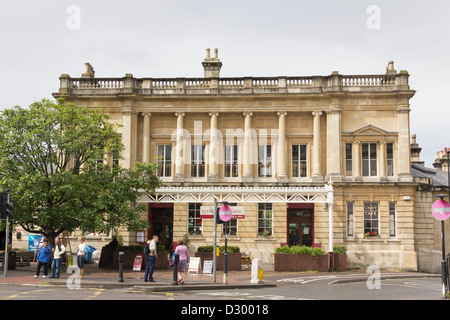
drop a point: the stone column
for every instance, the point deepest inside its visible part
(127, 137)
(404, 158)
(179, 148)
(247, 176)
(213, 151)
(316, 175)
(282, 165)
(334, 150)
(146, 137)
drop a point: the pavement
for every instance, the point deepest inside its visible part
(109, 278)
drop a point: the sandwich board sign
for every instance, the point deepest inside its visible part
(194, 265)
(208, 266)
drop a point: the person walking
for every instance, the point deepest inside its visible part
(43, 258)
(183, 260)
(81, 254)
(58, 252)
(151, 259)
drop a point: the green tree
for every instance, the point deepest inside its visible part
(50, 160)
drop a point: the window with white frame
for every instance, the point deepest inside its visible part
(198, 160)
(348, 159)
(389, 159)
(369, 159)
(299, 161)
(350, 220)
(194, 221)
(164, 160)
(265, 160)
(265, 218)
(371, 219)
(231, 168)
(392, 219)
(99, 161)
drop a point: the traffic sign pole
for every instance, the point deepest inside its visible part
(441, 211)
(215, 240)
(6, 257)
(225, 214)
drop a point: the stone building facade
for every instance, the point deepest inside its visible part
(305, 160)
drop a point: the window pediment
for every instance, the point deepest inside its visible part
(369, 130)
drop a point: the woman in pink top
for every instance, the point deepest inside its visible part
(182, 264)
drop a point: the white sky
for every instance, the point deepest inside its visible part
(168, 38)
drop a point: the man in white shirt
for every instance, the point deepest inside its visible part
(151, 260)
(58, 252)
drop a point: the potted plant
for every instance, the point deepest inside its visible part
(340, 258)
(371, 234)
(233, 256)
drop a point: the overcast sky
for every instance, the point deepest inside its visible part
(40, 40)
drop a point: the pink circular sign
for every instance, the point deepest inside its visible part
(441, 210)
(225, 213)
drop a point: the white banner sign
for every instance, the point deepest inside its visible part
(207, 212)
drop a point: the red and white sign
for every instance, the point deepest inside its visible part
(441, 210)
(207, 212)
(225, 212)
(137, 262)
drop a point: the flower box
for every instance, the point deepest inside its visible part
(234, 260)
(340, 262)
(300, 262)
(129, 256)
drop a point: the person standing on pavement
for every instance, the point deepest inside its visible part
(151, 259)
(81, 254)
(43, 258)
(183, 260)
(58, 251)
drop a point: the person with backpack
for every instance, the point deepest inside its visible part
(58, 252)
(150, 252)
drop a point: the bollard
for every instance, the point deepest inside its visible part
(257, 272)
(176, 259)
(121, 261)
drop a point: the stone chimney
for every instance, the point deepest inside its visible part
(390, 68)
(212, 66)
(441, 159)
(415, 151)
(88, 71)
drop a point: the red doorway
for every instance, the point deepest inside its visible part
(160, 219)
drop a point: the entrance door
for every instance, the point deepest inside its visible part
(162, 223)
(300, 227)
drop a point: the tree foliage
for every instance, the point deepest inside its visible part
(56, 160)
